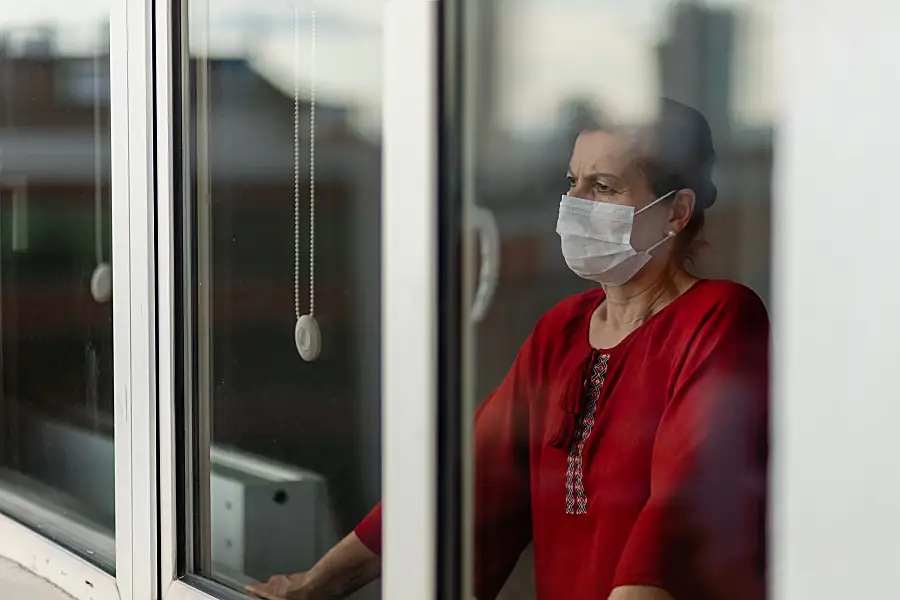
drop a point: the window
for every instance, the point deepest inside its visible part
(534, 76)
(182, 183)
(78, 431)
(280, 209)
(56, 429)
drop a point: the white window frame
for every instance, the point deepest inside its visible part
(136, 427)
(67, 571)
(409, 233)
(134, 370)
(813, 322)
(409, 294)
(167, 270)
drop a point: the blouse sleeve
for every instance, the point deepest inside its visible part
(502, 475)
(701, 533)
(369, 530)
(502, 482)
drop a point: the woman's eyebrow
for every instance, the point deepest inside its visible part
(597, 175)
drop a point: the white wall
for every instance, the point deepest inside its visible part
(836, 505)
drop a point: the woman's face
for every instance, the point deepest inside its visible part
(603, 169)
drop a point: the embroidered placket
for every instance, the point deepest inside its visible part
(576, 498)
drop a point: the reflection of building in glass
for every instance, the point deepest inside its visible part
(520, 176)
(57, 352)
(325, 415)
(58, 340)
(696, 67)
(695, 62)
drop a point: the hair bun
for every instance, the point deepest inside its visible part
(678, 144)
(706, 193)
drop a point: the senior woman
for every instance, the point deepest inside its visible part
(629, 439)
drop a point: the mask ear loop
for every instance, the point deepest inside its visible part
(655, 202)
(669, 235)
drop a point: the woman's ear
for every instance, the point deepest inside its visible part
(682, 209)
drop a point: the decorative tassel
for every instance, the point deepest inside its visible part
(562, 438)
(570, 402)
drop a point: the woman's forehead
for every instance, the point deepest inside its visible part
(601, 151)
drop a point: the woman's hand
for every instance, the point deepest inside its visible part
(344, 569)
(635, 592)
(282, 587)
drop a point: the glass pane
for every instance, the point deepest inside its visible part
(56, 409)
(626, 445)
(282, 206)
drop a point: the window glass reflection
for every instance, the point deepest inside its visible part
(284, 124)
(56, 409)
(622, 158)
(582, 101)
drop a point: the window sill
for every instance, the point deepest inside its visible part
(54, 516)
(51, 563)
(18, 583)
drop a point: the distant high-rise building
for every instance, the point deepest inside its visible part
(695, 62)
(695, 67)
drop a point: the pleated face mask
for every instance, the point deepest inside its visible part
(596, 239)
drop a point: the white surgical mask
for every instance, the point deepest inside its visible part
(596, 239)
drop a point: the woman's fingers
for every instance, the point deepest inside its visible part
(276, 588)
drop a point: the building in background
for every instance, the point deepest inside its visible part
(696, 67)
(56, 408)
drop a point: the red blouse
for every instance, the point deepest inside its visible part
(643, 464)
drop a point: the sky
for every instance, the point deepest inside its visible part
(549, 50)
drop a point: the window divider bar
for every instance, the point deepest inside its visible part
(121, 267)
(201, 473)
(409, 299)
(136, 401)
(164, 24)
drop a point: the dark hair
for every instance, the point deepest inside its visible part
(675, 152)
